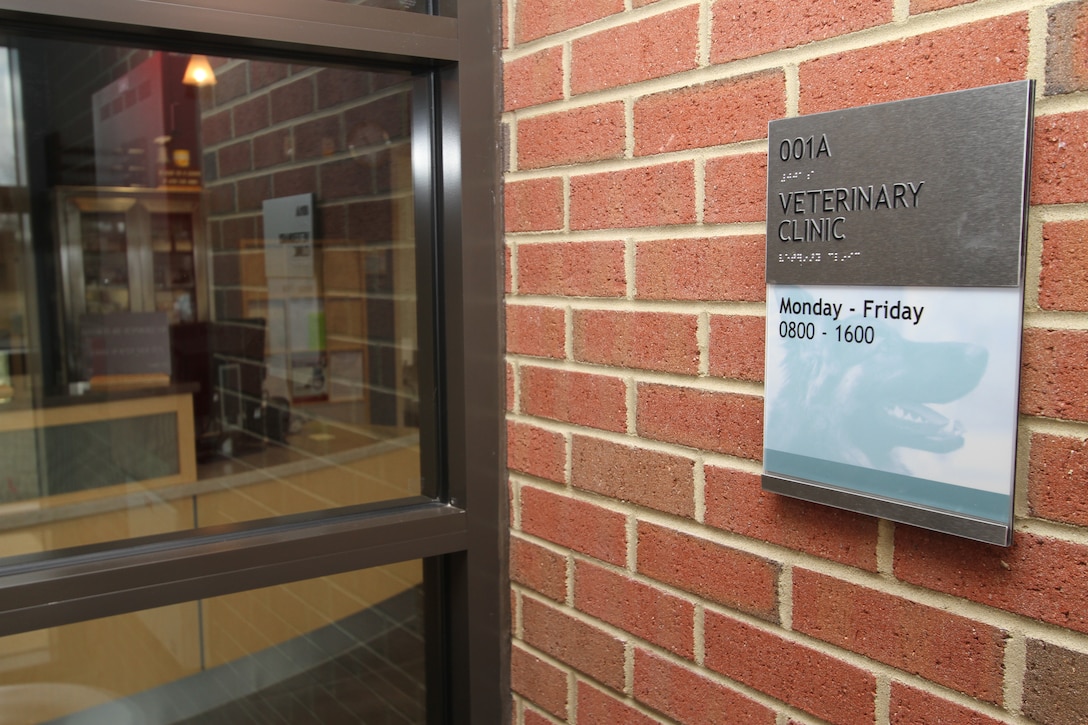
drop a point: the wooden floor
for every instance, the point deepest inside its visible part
(320, 466)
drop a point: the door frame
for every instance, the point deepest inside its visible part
(459, 527)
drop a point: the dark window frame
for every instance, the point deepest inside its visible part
(463, 545)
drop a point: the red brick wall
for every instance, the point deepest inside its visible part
(652, 579)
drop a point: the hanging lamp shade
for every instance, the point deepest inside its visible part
(199, 72)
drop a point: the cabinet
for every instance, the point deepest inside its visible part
(133, 250)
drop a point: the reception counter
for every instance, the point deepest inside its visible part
(72, 446)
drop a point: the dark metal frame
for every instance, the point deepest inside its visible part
(456, 172)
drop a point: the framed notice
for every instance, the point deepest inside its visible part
(895, 277)
(289, 236)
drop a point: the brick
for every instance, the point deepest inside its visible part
(538, 331)
(1063, 283)
(209, 167)
(511, 388)
(711, 114)
(229, 303)
(346, 178)
(742, 28)
(722, 575)
(654, 479)
(658, 195)
(596, 401)
(924, 6)
(717, 268)
(265, 73)
(292, 100)
(1057, 474)
(215, 235)
(238, 231)
(644, 611)
(508, 269)
(538, 681)
(379, 120)
(505, 24)
(729, 423)
(736, 502)
(532, 717)
(577, 525)
(535, 451)
(584, 647)
(652, 48)
(824, 686)
(660, 341)
(1054, 375)
(222, 199)
(533, 205)
(382, 163)
(216, 128)
(537, 18)
(226, 270)
(1067, 48)
(1037, 577)
(318, 138)
(253, 191)
(573, 269)
(910, 706)
(381, 81)
(576, 136)
(271, 149)
(965, 56)
(942, 647)
(251, 115)
(540, 569)
(340, 85)
(333, 222)
(736, 189)
(1059, 153)
(1054, 690)
(533, 79)
(595, 706)
(235, 159)
(370, 222)
(295, 181)
(230, 83)
(689, 698)
(737, 346)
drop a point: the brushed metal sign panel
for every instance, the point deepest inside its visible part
(923, 192)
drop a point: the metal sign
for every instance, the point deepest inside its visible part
(895, 263)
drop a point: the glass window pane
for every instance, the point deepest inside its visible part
(341, 649)
(215, 319)
(412, 6)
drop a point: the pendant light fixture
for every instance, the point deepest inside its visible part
(199, 72)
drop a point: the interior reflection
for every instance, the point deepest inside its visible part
(207, 291)
(208, 315)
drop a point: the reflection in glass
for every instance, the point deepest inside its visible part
(215, 319)
(341, 649)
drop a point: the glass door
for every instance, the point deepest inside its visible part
(239, 490)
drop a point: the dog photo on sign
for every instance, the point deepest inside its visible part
(916, 393)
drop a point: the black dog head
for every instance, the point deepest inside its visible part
(857, 401)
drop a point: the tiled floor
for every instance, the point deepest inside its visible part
(366, 668)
